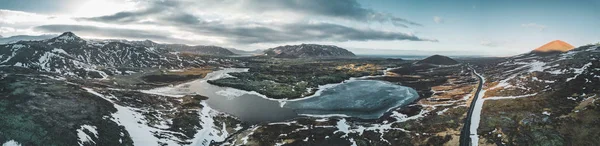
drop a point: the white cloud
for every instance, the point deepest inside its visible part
(489, 43)
(438, 19)
(534, 25)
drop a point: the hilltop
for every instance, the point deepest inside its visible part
(308, 50)
(554, 46)
(438, 60)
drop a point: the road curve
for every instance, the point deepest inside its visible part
(465, 139)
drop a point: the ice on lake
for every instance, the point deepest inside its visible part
(366, 99)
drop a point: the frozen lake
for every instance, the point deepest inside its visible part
(367, 99)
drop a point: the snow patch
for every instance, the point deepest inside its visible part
(343, 127)
(209, 133)
(83, 137)
(11, 143)
(231, 93)
(578, 71)
(18, 46)
(546, 113)
(510, 97)
(140, 133)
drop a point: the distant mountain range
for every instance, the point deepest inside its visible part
(288, 51)
(70, 55)
(206, 50)
(198, 49)
(308, 50)
(244, 52)
(14, 39)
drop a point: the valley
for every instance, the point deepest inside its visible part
(71, 91)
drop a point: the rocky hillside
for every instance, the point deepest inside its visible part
(50, 95)
(308, 50)
(550, 99)
(438, 60)
(199, 49)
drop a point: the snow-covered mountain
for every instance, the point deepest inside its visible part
(70, 55)
(198, 49)
(50, 95)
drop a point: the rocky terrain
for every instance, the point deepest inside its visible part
(57, 105)
(548, 99)
(308, 50)
(297, 78)
(434, 119)
(71, 91)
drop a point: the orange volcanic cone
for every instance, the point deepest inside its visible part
(555, 46)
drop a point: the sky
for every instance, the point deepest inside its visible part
(390, 27)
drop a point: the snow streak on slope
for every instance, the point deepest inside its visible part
(140, 133)
(84, 137)
(143, 134)
(209, 134)
(11, 143)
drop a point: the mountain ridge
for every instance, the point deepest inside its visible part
(69, 55)
(308, 51)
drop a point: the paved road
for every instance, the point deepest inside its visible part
(465, 139)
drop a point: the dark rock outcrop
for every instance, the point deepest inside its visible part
(307, 51)
(438, 60)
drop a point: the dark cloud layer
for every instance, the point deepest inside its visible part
(170, 13)
(300, 32)
(346, 9)
(247, 35)
(349, 9)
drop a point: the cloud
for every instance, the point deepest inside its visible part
(233, 22)
(245, 34)
(348, 9)
(244, 28)
(438, 19)
(340, 9)
(302, 32)
(534, 25)
(488, 43)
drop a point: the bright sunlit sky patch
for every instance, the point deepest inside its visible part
(403, 27)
